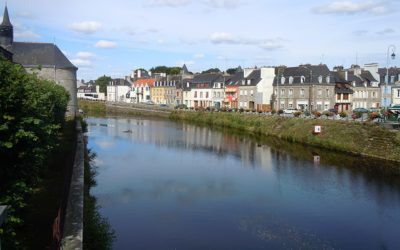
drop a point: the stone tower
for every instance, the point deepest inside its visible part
(6, 31)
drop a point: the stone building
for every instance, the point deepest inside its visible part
(306, 87)
(45, 59)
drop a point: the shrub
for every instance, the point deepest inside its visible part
(273, 111)
(297, 114)
(317, 114)
(327, 113)
(241, 110)
(343, 114)
(372, 116)
(280, 111)
(307, 113)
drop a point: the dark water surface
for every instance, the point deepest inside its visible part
(166, 185)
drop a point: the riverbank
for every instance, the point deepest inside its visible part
(359, 138)
(365, 139)
(101, 109)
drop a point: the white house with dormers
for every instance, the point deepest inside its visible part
(204, 90)
(141, 90)
(119, 91)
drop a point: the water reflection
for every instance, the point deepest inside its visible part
(194, 187)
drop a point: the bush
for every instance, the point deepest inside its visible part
(273, 111)
(317, 114)
(280, 111)
(343, 114)
(372, 116)
(307, 113)
(327, 113)
(32, 111)
(297, 114)
(241, 110)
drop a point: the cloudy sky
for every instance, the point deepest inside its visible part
(114, 37)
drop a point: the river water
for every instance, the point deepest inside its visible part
(166, 185)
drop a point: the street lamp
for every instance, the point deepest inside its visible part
(393, 56)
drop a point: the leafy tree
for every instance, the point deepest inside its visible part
(167, 70)
(231, 71)
(212, 70)
(32, 111)
(103, 81)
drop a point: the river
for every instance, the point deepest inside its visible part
(167, 185)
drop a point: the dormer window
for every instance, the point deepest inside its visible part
(320, 79)
(302, 79)
(282, 80)
(354, 83)
(291, 80)
(328, 79)
(248, 81)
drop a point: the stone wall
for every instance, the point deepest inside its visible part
(63, 77)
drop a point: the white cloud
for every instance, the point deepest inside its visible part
(105, 44)
(182, 62)
(81, 62)
(386, 32)
(352, 7)
(85, 55)
(169, 3)
(198, 56)
(26, 34)
(87, 27)
(223, 37)
(224, 4)
(271, 44)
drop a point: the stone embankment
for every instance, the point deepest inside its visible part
(73, 225)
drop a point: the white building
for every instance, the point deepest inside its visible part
(91, 93)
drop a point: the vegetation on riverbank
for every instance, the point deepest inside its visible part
(353, 137)
(97, 232)
(92, 108)
(32, 113)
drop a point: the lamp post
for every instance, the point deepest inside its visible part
(393, 56)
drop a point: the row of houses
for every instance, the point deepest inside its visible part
(304, 87)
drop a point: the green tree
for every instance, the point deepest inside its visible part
(166, 70)
(32, 111)
(103, 82)
(212, 70)
(231, 71)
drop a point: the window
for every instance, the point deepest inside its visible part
(345, 97)
(245, 92)
(251, 92)
(282, 92)
(398, 93)
(290, 105)
(326, 106)
(215, 94)
(241, 92)
(290, 92)
(282, 80)
(201, 94)
(320, 81)
(373, 94)
(195, 94)
(319, 92)
(302, 79)
(248, 81)
(328, 79)
(327, 94)
(301, 92)
(219, 94)
(206, 94)
(291, 80)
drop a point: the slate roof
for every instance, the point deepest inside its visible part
(235, 80)
(43, 54)
(120, 82)
(254, 77)
(393, 71)
(309, 73)
(87, 89)
(6, 18)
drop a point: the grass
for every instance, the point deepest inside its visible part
(352, 137)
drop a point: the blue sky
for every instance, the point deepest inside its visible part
(114, 37)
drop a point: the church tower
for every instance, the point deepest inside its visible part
(6, 31)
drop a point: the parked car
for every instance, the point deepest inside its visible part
(360, 110)
(289, 111)
(148, 102)
(163, 105)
